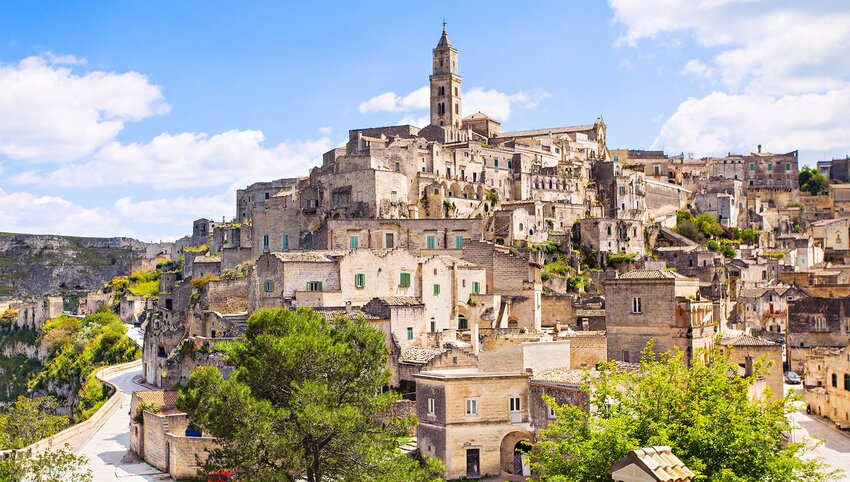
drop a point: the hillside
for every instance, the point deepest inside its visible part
(50, 264)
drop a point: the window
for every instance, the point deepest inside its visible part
(476, 287)
(397, 167)
(496, 164)
(354, 242)
(266, 195)
(404, 280)
(770, 167)
(268, 286)
(616, 158)
(626, 357)
(314, 286)
(389, 240)
(433, 326)
(787, 166)
(431, 242)
(752, 166)
(265, 242)
(409, 332)
(359, 280)
(462, 323)
(471, 407)
(847, 381)
(521, 227)
(284, 242)
(657, 170)
(458, 242)
(436, 290)
(514, 403)
(432, 406)
(835, 380)
(394, 196)
(552, 414)
(637, 306)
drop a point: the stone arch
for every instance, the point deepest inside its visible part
(513, 445)
(455, 190)
(479, 193)
(468, 192)
(513, 322)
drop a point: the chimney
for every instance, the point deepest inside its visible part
(759, 146)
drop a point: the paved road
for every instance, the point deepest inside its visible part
(835, 449)
(108, 450)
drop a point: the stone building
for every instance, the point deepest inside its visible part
(659, 305)
(746, 351)
(839, 197)
(764, 311)
(832, 399)
(613, 235)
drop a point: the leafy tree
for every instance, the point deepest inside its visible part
(306, 399)
(812, 181)
(49, 466)
(723, 248)
(28, 420)
(703, 411)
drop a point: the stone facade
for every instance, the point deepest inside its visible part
(658, 305)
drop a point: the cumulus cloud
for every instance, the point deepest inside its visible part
(499, 104)
(188, 160)
(179, 211)
(392, 102)
(490, 101)
(24, 212)
(789, 59)
(50, 113)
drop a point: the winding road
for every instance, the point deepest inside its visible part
(108, 450)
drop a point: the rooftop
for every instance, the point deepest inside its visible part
(651, 274)
(657, 461)
(745, 340)
(564, 376)
(419, 355)
(157, 398)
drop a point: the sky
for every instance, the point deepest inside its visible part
(135, 118)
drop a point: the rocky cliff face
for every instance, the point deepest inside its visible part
(49, 264)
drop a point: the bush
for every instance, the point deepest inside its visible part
(200, 283)
(241, 270)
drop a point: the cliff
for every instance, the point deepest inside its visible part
(50, 264)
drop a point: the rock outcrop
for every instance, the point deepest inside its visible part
(49, 264)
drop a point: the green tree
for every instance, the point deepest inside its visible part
(306, 399)
(706, 416)
(28, 420)
(49, 466)
(812, 181)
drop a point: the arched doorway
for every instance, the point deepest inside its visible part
(516, 454)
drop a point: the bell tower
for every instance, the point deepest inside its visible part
(446, 106)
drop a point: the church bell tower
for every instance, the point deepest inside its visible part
(446, 106)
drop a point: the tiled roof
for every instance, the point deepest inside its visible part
(588, 313)
(564, 376)
(400, 300)
(302, 256)
(419, 355)
(208, 259)
(759, 292)
(158, 398)
(660, 462)
(330, 313)
(745, 340)
(651, 274)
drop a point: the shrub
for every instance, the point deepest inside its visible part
(200, 283)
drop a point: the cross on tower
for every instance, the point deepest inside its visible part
(444, 24)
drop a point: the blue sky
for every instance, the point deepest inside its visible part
(121, 118)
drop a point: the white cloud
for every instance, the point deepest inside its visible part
(49, 113)
(490, 101)
(722, 122)
(499, 104)
(392, 102)
(788, 61)
(626, 64)
(418, 121)
(180, 211)
(23, 212)
(694, 66)
(188, 160)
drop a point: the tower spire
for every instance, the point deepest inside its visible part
(444, 24)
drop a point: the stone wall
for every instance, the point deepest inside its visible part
(226, 296)
(587, 349)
